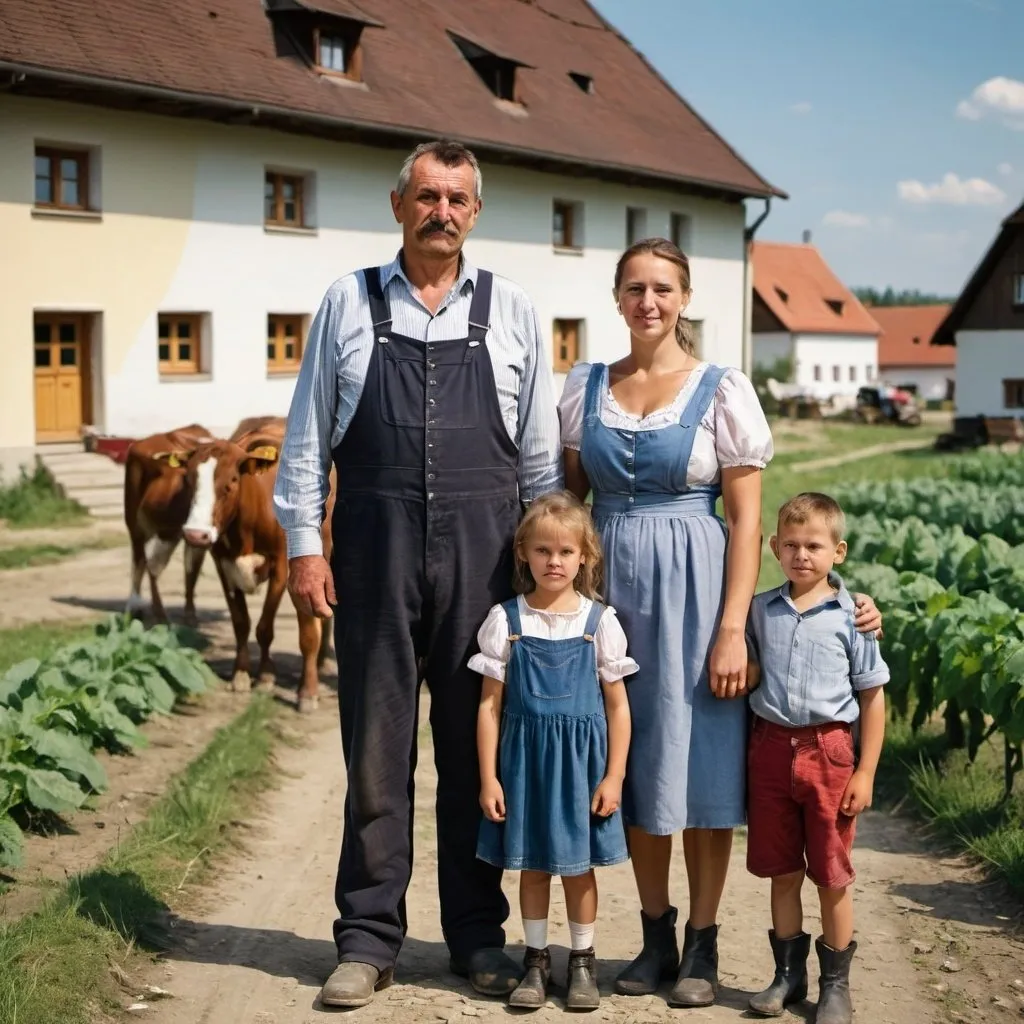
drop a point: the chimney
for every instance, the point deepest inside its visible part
(807, 237)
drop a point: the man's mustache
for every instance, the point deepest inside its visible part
(432, 227)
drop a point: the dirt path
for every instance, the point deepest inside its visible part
(860, 453)
(259, 955)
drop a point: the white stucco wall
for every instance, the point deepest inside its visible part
(832, 350)
(930, 380)
(182, 231)
(770, 346)
(984, 359)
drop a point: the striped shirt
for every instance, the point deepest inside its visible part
(333, 372)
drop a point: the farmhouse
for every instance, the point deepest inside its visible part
(803, 314)
(180, 183)
(906, 356)
(986, 325)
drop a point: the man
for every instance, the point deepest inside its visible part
(427, 382)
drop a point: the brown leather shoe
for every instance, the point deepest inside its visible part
(491, 972)
(532, 991)
(353, 984)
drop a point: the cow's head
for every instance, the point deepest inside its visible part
(220, 470)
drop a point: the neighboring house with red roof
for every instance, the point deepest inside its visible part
(803, 312)
(906, 356)
(986, 326)
(181, 182)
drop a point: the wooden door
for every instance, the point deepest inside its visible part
(62, 375)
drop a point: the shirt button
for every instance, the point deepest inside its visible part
(431, 401)
(631, 500)
(430, 444)
(430, 496)
(431, 476)
(796, 643)
(432, 383)
(431, 365)
(792, 741)
(430, 462)
(430, 423)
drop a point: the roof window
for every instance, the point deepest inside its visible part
(496, 72)
(585, 82)
(327, 33)
(836, 305)
(781, 294)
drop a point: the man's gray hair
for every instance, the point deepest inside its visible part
(449, 153)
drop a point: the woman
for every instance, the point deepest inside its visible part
(658, 436)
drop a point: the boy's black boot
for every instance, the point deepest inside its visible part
(834, 1003)
(658, 960)
(697, 984)
(790, 984)
(583, 993)
(532, 992)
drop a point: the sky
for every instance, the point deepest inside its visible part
(895, 126)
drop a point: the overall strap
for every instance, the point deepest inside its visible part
(592, 398)
(380, 311)
(480, 307)
(515, 623)
(596, 611)
(700, 401)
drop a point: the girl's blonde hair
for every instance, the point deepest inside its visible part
(572, 515)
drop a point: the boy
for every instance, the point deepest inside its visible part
(818, 677)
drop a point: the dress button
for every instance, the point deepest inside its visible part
(431, 401)
(431, 476)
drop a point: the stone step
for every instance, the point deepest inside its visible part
(95, 495)
(106, 511)
(61, 448)
(79, 478)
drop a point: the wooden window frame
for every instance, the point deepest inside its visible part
(569, 232)
(680, 226)
(568, 331)
(837, 373)
(853, 373)
(639, 214)
(279, 178)
(1017, 286)
(1013, 392)
(351, 39)
(278, 365)
(175, 367)
(818, 375)
(56, 155)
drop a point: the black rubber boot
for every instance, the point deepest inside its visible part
(834, 1004)
(583, 993)
(697, 984)
(658, 960)
(532, 992)
(790, 984)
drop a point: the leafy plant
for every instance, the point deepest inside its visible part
(87, 695)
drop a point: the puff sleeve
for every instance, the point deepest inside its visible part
(494, 645)
(570, 406)
(742, 434)
(613, 663)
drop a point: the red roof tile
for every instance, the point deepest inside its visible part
(796, 284)
(416, 82)
(907, 333)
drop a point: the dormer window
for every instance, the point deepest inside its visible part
(781, 294)
(332, 53)
(496, 72)
(836, 305)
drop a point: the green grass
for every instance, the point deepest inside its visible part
(39, 640)
(33, 500)
(55, 964)
(27, 555)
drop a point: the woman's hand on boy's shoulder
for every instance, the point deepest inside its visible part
(867, 618)
(492, 800)
(607, 797)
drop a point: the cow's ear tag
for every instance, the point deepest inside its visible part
(173, 460)
(266, 452)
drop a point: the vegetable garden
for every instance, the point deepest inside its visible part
(88, 695)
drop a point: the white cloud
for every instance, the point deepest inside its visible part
(952, 191)
(1005, 169)
(999, 97)
(845, 219)
(801, 108)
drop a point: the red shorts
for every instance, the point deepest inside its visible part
(795, 784)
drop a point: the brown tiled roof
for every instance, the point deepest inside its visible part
(907, 333)
(796, 285)
(209, 55)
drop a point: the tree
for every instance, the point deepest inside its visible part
(907, 297)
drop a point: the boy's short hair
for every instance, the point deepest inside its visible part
(813, 504)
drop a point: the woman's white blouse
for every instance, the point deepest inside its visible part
(733, 432)
(609, 642)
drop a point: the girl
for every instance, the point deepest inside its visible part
(552, 765)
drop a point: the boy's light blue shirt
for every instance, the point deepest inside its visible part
(813, 662)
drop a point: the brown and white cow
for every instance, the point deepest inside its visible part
(157, 500)
(232, 515)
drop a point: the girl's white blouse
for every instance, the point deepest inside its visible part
(733, 432)
(610, 642)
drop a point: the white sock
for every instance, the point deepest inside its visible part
(581, 935)
(536, 933)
